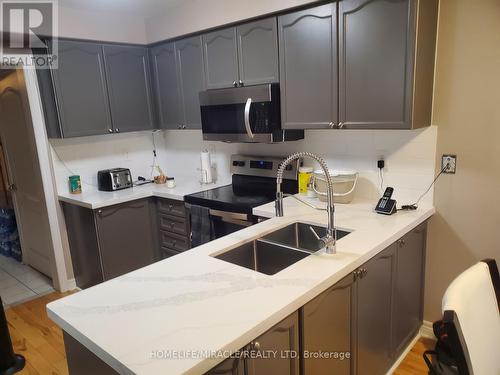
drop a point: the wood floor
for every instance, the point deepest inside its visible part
(36, 337)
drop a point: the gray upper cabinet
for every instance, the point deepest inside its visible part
(220, 58)
(258, 52)
(385, 78)
(409, 286)
(127, 69)
(327, 327)
(166, 86)
(308, 67)
(191, 79)
(126, 234)
(80, 88)
(374, 314)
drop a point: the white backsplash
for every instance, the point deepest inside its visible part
(409, 156)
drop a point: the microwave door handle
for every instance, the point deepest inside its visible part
(247, 118)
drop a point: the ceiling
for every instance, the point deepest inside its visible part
(139, 8)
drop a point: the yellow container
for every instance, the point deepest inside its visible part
(305, 174)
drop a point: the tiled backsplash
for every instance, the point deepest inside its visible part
(409, 156)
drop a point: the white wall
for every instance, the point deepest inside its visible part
(110, 27)
(195, 15)
(86, 155)
(409, 155)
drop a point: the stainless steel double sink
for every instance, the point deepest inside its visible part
(278, 250)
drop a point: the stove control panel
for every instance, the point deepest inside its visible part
(262, 166)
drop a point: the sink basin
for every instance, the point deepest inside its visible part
(262, 256)
(299, 236)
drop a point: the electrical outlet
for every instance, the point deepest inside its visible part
(452, 161)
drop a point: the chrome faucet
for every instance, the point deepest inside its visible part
(328, 241)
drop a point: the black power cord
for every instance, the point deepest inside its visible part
(414, 206)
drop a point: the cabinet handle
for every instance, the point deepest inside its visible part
(341, 125)
(240, 82)
(99, 212)
(235, 84)
(331, 125)
(170, 207)
(110, 130)
(183, 126)
(255, 345)
(401, 242)
(117, 130)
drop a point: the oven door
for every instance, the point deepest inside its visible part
(243, 114)
(224, 222)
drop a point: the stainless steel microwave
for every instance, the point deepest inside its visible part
(244, 114)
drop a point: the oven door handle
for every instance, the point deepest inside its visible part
(232, 217)
(247, 118)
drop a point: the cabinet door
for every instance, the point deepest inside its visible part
(231, 366)
(308, 67)
(166, 86)
(374, 301)
(376, 63)
(80, 87)
(326, 327)
(258, 52)
(408, 292)
(220, 58)
(126, 237)
(129, 90)
(283, 338)
(191, 78)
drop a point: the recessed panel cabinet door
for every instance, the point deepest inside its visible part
(408, 288)
(220, 57)
(166, 86)
(258, 52)
(375, 63)
(374, 314)
(191, 78)
(80, 88)
(129, 89)
(283, 338)
(308, 67)
(126, 237)
(326, 327)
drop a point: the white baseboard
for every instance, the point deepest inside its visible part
(426, 330)
(403, 355)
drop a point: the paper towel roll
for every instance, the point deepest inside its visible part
(206, 167)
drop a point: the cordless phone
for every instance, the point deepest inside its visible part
(386, 205)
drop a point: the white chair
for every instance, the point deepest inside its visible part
(471, 319)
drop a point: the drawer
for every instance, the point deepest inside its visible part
(173, 241)
(167, 253)
(173, 224)
(171, 207)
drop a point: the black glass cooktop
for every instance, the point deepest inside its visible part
(225, 199)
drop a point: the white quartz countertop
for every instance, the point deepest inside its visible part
(193, 303)
(92, 198)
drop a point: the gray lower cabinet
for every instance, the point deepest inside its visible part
(111, 241)
(373, 318)
(258, 52)
(220, 58)
(409, 287)
(327, 326)
(80, 90)
(126, 237)
(308, 67)
(385, 76)
(283, 339)
(127, 72)
(173, 227)
(191, 79)
(166, 85)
